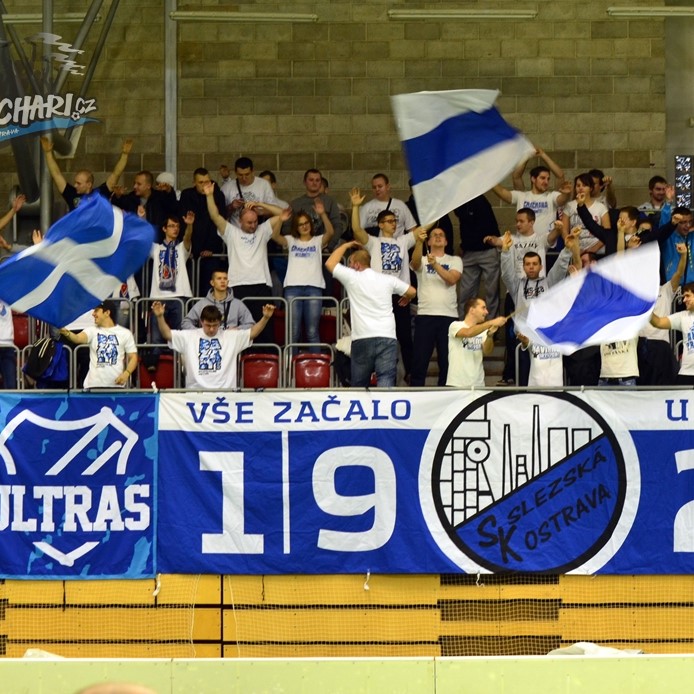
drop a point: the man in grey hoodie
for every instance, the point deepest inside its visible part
(234, 312)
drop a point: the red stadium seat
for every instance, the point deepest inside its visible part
(22, 336)
(311, 370)
(163, 376)
(259, 371)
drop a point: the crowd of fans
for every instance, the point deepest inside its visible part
(236, 246)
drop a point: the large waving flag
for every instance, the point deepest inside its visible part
(457, 146)
(83, 257)
(611, 300)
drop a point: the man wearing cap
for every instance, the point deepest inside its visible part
(166, 182)
(112, 350)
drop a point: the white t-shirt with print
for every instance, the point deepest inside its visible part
(210, 362)
(108, 350)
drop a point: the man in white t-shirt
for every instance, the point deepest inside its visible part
(210, 353)
(382, 200)
(390, 256)
(374, 346)
(619, 363)
(684, 322)
(112, 350)
(469, 341)
(249, 272)
(539, 198)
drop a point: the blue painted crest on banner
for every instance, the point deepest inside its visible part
(77, 487)
(528, 482)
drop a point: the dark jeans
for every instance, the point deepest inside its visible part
(8, 367)
(403, 332)
(430, 332)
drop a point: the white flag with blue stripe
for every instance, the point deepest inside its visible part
(82, 259)
(608, 301)
(457, 146)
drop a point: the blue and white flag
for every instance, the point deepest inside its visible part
(82, 259)
(457, 146)
(608, 301)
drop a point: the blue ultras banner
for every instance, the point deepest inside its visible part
(78, 486)
(426, 482)
(96, 486)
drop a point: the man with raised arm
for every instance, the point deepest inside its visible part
(112, 350)
(684, 322)
(249, 272)
(389, 255)
(540, 199)
(374, 346)
(210, 353)
(438, 275)
(83, 182)
(469, 341)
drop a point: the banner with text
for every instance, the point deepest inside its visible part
(426, 482)
(77, 486)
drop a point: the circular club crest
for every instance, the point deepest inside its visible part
(528, 482)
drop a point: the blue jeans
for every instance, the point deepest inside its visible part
(304, 312)
(379, 354)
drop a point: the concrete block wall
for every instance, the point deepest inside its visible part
(587, 88)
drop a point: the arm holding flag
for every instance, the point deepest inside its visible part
(491, 326)
(503, 193)
(420, 236)
(508, 265)
(75, 338)
(660, 322)
(517, 175)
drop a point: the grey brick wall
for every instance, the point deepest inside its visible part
(587, 88)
